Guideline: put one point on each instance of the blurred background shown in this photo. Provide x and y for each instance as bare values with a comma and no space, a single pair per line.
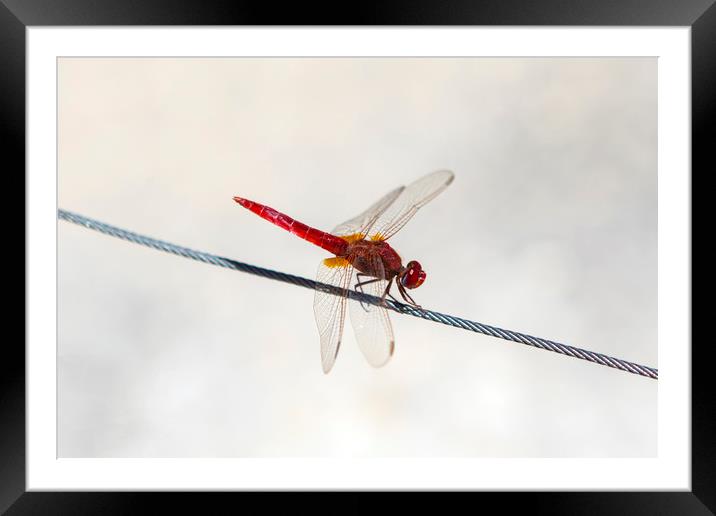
550,228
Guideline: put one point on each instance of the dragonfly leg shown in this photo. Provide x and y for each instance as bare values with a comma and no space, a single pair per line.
387,293
393,298
359,286
407,296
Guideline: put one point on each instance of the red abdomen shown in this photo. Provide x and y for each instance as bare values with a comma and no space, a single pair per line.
330,243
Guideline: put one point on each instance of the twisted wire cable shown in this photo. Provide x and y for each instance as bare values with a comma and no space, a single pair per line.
450,320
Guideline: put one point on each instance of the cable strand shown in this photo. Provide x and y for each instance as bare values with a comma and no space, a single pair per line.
450,320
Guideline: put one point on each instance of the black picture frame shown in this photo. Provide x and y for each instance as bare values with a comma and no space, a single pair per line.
16,15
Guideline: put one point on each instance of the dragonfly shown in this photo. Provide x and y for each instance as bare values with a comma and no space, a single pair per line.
361,245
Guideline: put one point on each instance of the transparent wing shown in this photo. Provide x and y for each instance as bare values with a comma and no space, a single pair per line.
366,219
413,197
330,309
371,323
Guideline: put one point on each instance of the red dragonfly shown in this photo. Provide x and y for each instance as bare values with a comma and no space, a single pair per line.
361,244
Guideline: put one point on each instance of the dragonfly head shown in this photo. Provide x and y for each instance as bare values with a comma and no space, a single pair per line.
413,275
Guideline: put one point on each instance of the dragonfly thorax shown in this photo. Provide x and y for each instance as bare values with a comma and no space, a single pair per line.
375,258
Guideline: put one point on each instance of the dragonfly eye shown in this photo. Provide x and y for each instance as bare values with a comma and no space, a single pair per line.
414,275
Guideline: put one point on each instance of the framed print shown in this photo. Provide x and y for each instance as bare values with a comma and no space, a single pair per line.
546,220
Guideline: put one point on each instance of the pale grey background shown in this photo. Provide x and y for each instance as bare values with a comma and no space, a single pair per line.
549,228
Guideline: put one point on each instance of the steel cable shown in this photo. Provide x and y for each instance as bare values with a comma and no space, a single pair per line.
450,320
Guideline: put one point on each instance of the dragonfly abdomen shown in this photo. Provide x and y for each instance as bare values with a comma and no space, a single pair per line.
330,243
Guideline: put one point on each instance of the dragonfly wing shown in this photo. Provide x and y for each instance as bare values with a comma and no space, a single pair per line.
371,323
368,217
413,197
330,309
